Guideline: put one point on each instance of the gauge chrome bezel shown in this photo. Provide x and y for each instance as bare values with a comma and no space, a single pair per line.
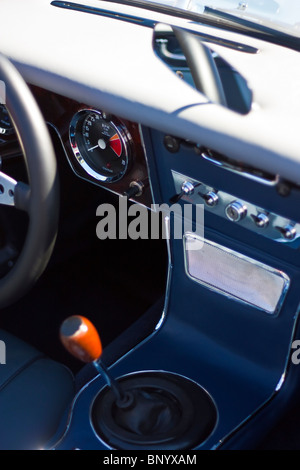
122,133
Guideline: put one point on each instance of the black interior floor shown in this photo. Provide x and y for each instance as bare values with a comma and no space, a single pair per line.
112,284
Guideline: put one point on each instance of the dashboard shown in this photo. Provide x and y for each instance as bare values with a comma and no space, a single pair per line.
124,166
151,167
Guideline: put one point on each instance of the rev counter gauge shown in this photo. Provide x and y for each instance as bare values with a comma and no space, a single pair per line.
102,146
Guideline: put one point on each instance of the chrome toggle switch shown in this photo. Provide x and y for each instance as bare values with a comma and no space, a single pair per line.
288,232
211,198
261,220
187,189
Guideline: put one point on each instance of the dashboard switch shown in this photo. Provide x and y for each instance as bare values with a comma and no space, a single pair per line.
136,189
171,143
187,189
288,232
211,198
261,220
236,211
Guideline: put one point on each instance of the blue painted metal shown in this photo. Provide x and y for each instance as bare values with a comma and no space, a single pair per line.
236,352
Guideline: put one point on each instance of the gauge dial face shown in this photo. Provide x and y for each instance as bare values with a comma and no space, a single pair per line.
6,126
101,146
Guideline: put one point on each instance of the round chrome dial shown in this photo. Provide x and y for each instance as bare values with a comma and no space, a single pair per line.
236,211
102,146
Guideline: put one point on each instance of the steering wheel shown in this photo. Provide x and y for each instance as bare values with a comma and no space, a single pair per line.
39,198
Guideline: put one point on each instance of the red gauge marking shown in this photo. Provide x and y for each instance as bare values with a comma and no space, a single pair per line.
116,145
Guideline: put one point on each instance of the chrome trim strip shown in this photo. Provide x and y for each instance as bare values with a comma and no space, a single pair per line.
140,128
192,17
169,276
107,13
241,171
151,24
238,255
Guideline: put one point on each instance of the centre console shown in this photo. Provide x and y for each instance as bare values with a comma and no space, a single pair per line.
215,371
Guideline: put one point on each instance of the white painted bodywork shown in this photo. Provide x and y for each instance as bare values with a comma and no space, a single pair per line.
110,64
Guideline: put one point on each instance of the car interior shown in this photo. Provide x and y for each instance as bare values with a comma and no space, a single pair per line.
114,104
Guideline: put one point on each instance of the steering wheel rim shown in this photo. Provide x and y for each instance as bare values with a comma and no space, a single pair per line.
41,198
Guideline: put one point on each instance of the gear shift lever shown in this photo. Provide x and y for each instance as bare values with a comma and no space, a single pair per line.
142,410
81,339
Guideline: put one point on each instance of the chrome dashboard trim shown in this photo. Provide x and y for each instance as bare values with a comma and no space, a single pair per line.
101,12
151,24
272,230
240,171
255,264
191,17
144,147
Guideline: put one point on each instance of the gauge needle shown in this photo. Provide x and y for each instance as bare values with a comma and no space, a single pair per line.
101,144
92,148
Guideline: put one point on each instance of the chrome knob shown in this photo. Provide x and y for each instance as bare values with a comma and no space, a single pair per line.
288,231
211,198
236,211
261,220
187,188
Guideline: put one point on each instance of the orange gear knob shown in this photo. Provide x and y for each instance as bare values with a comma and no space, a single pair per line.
80,338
